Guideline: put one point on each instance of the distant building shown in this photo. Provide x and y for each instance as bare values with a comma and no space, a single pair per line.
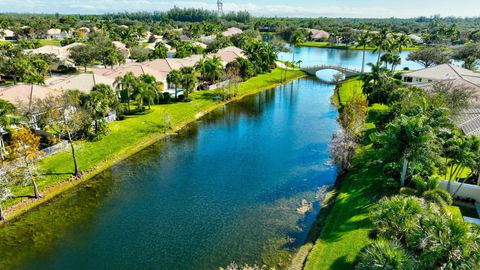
122,47
57,34
416,39
315,34
232,31
6,34
83,82
469,120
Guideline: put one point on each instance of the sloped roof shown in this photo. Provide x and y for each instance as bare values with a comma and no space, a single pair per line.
24,94
83,82
446,72
7,32
54,31
318,34
232,31
469,121
136,68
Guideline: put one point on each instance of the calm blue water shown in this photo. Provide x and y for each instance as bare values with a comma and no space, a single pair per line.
226,189
347,58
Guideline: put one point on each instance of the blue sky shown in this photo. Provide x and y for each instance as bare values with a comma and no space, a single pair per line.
285,8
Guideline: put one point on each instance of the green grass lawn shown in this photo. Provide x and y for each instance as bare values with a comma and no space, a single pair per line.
133,134
43,42
326,44
347,226
349,88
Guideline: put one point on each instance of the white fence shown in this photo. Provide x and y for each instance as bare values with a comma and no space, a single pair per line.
466,191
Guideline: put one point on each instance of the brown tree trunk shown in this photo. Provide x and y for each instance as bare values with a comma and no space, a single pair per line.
2,215
70,141
34,184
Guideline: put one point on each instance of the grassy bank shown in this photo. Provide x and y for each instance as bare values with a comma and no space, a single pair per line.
126,138
346,228
346,90
344,225
318,44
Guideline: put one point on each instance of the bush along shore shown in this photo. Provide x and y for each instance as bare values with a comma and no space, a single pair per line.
395,145
129,136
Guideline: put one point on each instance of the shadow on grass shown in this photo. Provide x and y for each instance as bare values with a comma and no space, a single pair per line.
342,263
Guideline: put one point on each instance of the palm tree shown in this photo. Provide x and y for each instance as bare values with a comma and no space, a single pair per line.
147,89
411,139
211,69
363,41
175,78
402,41
390,58
189,80
126,85
382,43
296,38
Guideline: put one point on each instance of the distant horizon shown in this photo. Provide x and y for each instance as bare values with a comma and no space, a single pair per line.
361,9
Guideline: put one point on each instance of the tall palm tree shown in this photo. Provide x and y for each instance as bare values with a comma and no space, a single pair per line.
175,78
363,41
402,41
296,38
126,85
189,80
382,42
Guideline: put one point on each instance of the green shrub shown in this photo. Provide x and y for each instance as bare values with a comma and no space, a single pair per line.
438,196
383,254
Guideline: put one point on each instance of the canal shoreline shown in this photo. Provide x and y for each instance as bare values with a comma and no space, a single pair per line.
22,207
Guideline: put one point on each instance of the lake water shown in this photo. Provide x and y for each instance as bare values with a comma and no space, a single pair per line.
225,189
346,58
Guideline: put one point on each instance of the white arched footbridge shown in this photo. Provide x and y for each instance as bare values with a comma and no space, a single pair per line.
312,70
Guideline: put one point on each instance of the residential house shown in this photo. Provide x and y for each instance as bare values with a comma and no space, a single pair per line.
6,34
315,34
123,48
417,39
83,82
136,68
232,31
469,120
23,96
62,53
57,34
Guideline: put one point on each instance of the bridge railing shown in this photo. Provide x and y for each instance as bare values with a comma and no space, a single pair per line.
334,67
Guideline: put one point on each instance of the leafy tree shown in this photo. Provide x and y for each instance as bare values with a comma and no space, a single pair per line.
429,56
26,146
454,97
159,52
186,49
469,54
140,54
352,119
83,55
65,116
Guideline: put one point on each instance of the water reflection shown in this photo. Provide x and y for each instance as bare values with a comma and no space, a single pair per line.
226,188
